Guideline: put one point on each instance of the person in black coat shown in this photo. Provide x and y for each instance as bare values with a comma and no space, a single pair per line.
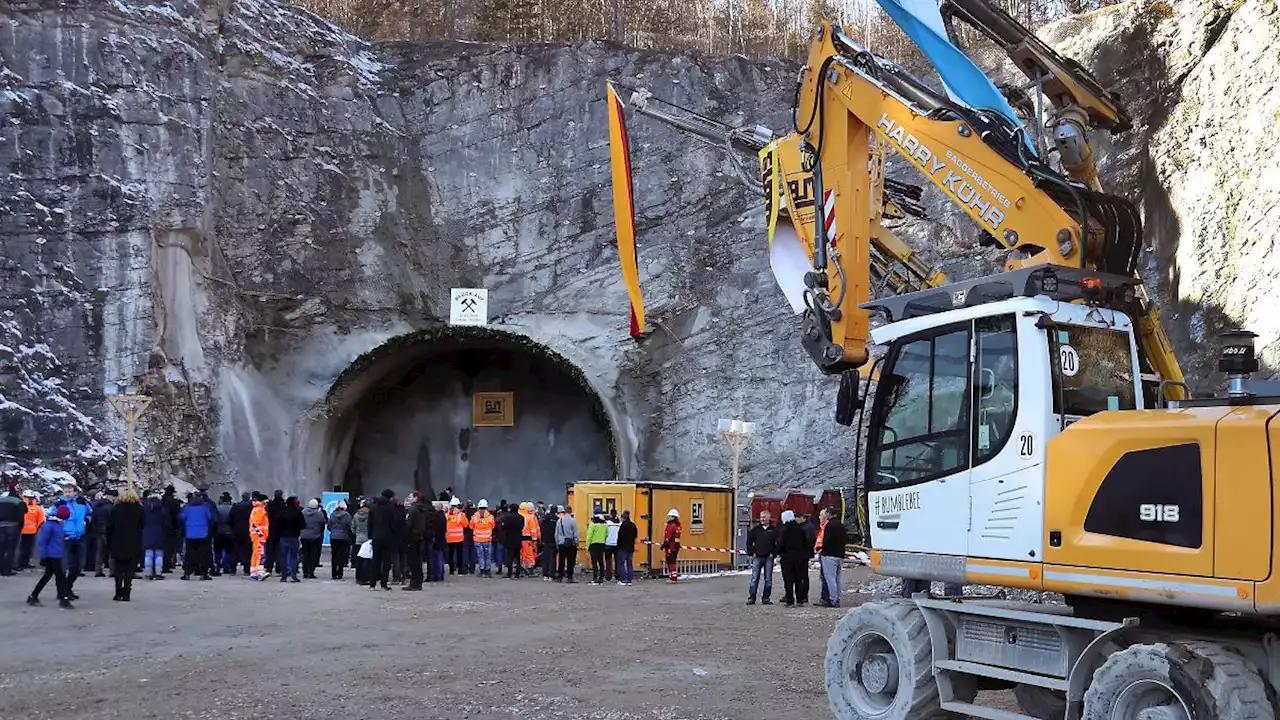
124,538
628,533
156,531
434,543
274,507
512,533
762,544
416,512
794,552
100,558
386,530
547,529
239,522
173,505
287,530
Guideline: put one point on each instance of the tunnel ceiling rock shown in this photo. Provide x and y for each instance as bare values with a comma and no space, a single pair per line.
235,201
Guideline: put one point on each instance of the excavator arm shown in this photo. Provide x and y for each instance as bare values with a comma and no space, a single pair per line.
895,267
848,96
1079,101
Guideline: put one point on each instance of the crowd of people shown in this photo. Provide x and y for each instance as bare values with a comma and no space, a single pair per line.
793,546
384,539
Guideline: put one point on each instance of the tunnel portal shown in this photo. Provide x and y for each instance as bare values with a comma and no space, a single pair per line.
421,426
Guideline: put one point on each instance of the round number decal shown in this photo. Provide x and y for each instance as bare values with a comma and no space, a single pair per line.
1068,360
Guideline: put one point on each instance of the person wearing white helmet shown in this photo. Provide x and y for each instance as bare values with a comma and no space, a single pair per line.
671,543
455,534
482,524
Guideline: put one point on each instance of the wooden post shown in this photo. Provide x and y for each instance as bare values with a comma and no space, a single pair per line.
130,408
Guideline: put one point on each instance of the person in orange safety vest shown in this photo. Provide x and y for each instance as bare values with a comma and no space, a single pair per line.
482,533
259,530
817,550
31,522
455,534
529,538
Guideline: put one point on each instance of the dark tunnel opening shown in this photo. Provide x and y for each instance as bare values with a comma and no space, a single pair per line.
415,427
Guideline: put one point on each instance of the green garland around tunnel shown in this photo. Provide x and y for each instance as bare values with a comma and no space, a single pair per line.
463,336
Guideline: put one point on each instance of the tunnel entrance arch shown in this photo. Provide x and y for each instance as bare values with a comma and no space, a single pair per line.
401,418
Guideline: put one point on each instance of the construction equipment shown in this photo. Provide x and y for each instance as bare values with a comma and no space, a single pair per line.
1029,429
895,267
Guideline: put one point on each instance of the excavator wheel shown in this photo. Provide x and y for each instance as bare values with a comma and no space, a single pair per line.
1041,702
1177,681
880,665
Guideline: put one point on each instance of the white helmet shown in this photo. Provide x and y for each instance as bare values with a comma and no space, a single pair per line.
483,503
674,513
454,502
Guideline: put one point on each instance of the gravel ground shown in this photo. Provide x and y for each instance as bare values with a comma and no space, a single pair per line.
465,648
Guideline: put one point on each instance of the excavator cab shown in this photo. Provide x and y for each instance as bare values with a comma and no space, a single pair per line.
976,378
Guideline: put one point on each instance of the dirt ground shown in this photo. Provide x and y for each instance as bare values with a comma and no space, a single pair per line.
466,648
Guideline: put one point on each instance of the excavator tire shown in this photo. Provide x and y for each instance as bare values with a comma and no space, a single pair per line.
1041,702
880,665
1169,681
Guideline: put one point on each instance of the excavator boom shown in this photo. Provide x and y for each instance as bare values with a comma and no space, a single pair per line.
849,95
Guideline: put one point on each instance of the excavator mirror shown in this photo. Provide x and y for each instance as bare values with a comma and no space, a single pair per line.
847,399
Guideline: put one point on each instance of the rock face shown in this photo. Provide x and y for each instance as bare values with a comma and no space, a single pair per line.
1202,81
259,217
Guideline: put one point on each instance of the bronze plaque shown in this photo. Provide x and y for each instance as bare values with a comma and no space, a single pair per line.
493,409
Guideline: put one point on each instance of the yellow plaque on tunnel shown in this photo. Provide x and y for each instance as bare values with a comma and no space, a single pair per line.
493,409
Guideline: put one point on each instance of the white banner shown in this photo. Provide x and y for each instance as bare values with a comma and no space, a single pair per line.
469,306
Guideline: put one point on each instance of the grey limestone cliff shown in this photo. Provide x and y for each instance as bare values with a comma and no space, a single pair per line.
260,217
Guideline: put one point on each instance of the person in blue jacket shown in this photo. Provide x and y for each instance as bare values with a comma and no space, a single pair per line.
197,525
76,526
51,541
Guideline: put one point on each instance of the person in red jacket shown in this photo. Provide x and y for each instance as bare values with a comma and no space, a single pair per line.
671,543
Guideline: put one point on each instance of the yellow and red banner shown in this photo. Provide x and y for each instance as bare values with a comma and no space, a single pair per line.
624,210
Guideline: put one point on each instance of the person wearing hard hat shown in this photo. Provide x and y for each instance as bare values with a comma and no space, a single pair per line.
482,535
529,538
455,535
671,543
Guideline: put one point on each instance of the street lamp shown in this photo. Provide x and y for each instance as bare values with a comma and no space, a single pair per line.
130,403
736,435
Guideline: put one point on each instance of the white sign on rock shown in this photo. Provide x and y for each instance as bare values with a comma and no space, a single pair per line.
469,306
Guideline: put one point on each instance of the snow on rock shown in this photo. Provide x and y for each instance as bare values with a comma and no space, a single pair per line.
195,193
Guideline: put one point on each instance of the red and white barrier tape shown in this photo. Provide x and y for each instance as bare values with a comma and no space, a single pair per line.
857,556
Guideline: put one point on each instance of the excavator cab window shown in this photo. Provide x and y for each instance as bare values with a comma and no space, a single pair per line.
937,412
1095,370
921,428
997,376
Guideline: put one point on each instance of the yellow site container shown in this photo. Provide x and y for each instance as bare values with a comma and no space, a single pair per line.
705,513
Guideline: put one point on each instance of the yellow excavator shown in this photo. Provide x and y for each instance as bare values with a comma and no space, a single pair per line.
1028,429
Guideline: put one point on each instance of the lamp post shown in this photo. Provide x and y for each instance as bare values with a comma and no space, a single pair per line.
736,435
129,403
